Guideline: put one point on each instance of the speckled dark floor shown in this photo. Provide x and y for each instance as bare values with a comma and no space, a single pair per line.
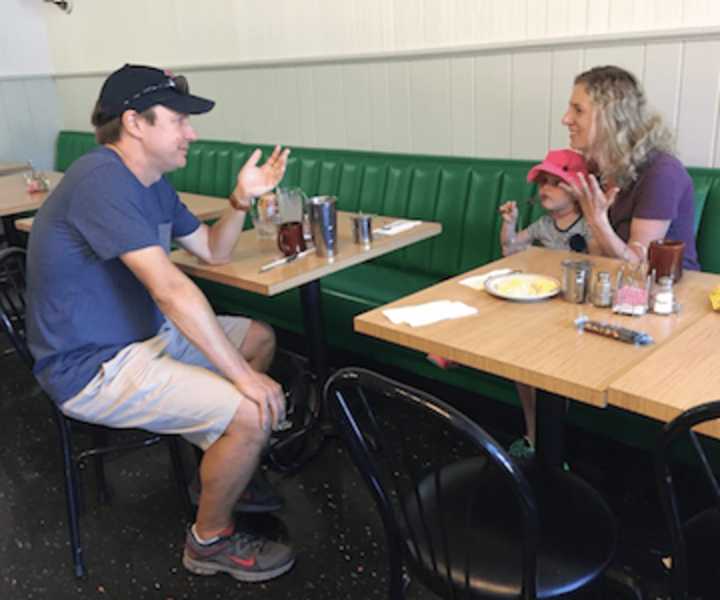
133,546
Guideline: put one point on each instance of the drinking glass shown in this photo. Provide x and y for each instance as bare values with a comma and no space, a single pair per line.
265,217
291,204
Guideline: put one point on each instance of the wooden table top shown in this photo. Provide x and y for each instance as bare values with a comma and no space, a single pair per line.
679,375
537,343
203,207
9,168
251,253
14,197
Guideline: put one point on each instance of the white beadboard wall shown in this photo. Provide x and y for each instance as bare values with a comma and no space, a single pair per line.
189,32
500,103
29,111
465,77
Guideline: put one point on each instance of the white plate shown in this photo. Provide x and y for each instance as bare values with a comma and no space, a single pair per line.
523,287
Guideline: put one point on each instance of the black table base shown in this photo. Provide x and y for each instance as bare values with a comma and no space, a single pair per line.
291,451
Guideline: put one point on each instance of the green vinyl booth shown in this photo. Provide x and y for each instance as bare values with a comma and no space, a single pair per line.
461,193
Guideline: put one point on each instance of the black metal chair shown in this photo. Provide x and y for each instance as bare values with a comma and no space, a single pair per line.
458,512
12,317
694,530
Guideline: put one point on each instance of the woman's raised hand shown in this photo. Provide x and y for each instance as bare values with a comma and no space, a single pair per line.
593,201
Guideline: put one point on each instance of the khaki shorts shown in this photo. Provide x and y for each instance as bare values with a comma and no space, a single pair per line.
163,385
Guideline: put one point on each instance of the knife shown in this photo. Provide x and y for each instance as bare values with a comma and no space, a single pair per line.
283,260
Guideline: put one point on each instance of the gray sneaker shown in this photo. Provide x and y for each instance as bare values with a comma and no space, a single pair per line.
522,449
244,556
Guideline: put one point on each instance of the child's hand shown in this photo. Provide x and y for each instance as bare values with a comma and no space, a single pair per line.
509,212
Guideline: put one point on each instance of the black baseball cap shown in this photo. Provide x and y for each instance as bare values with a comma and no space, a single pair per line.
139,87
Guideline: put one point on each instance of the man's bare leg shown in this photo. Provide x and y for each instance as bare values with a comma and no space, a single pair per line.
224,471
258,347
226,468
240,446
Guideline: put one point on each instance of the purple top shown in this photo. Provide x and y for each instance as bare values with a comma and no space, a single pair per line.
664,192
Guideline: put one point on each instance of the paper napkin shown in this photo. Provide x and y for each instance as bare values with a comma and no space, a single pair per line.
431,312
395,227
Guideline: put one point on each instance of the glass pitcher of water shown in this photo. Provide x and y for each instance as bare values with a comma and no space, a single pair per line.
293,206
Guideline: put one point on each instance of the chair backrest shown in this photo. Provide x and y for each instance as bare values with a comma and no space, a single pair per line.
12,300
694,562
414,451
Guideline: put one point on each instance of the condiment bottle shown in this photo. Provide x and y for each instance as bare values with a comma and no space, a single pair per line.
664,299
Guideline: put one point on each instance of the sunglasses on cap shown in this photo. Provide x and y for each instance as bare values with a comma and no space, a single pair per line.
178,83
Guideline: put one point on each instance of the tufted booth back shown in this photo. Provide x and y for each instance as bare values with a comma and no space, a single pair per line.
462,193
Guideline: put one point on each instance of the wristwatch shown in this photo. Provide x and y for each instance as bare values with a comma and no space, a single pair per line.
237,204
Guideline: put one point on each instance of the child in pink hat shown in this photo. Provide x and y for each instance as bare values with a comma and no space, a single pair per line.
563,227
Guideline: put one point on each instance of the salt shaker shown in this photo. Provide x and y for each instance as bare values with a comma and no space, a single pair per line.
664,298
602,290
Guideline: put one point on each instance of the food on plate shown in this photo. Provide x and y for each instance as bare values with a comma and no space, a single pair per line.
524,286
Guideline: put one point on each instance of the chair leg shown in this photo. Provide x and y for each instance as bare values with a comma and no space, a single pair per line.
198,455
71,497
180,477
622,584
100,440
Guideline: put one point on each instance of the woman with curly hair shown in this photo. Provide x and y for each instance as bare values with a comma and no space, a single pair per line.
640,191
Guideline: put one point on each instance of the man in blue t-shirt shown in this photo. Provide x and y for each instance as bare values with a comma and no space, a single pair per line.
122,337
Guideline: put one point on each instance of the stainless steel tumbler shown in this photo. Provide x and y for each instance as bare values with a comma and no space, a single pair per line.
362,230
576,280
323,223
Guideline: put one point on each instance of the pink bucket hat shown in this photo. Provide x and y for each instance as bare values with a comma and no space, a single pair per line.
565,164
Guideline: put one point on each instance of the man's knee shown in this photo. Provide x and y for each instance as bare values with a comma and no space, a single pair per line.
265,335
245,426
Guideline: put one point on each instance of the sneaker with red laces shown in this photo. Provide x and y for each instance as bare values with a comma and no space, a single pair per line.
246,557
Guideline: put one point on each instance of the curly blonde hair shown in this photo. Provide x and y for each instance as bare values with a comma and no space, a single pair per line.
627,133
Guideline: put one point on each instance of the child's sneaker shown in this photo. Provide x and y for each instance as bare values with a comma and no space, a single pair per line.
244,556
440,361
522,449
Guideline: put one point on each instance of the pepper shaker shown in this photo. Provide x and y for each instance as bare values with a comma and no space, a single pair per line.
602,290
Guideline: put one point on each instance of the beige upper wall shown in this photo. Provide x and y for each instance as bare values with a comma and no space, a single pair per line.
465,77
29,111
101,34
24,46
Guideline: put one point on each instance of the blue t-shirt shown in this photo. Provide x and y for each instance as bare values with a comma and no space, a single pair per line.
84,304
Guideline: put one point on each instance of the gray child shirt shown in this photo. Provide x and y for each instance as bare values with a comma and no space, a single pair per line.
545,233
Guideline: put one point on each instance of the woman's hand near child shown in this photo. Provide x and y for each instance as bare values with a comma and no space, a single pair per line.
593,200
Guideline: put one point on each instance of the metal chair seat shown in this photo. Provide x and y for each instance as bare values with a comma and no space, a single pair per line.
570,513
12,320
695,532
458,512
